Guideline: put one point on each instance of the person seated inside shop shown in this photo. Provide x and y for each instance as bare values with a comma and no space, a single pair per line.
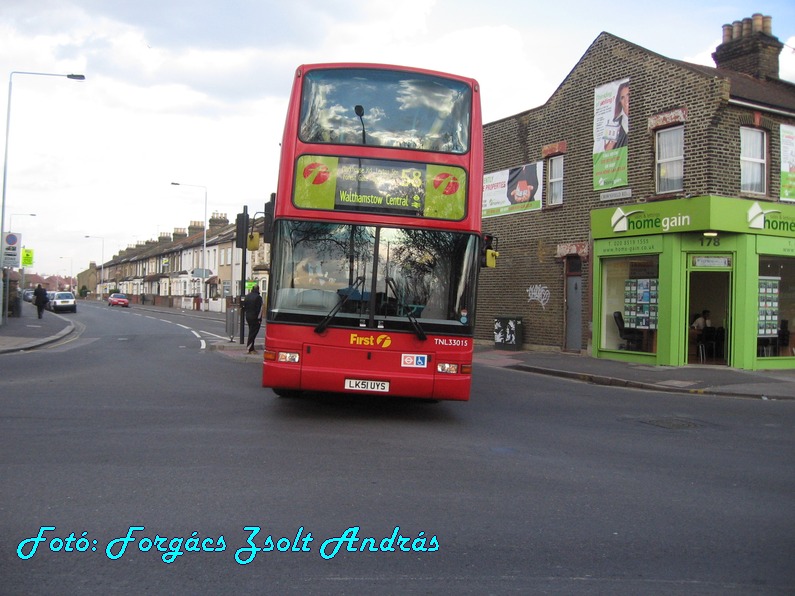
696,329
714,340
701,322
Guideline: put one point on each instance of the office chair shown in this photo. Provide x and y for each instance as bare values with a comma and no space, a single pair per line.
707,343
633,337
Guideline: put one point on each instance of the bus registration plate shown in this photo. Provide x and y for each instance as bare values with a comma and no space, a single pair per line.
362,385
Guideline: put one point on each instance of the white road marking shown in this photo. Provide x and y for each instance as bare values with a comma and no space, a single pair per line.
214,335
202,342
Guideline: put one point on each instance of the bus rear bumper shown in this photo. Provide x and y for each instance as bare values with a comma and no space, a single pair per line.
426,385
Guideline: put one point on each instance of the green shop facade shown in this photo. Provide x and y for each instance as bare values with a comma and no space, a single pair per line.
659,265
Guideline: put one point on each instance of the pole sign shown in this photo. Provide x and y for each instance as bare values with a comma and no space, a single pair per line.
12,247
27,257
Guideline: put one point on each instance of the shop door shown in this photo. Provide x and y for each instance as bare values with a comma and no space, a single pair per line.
573,304
709,290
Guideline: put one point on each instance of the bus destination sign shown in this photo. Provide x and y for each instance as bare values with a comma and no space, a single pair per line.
380,186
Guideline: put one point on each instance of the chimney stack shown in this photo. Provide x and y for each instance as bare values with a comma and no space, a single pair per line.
749,47
218,221
195,227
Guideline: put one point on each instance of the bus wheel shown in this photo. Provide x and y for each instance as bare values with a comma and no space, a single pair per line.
287,392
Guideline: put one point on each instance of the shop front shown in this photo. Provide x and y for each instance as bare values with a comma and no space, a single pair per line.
706,280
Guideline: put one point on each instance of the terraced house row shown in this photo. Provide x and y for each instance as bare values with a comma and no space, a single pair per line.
170,271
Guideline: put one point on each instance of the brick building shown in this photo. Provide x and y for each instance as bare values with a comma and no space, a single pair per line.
613,237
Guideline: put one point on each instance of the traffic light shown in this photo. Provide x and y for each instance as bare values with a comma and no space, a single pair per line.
241,230
488,251
267,220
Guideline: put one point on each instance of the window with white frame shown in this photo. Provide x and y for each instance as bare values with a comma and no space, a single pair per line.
670,159
753,160
555,181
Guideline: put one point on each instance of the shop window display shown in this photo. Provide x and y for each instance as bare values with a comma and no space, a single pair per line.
776,307
630,304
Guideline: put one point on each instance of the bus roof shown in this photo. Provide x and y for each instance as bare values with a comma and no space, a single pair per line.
379,66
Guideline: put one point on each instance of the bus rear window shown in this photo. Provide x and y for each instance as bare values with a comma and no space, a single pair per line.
385,108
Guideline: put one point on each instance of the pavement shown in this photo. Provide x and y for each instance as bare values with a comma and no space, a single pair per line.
28,332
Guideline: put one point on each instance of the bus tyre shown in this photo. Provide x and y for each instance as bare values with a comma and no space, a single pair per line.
287,392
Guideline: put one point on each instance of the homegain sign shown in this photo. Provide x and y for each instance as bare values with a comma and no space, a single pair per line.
769,219
695,215
639,220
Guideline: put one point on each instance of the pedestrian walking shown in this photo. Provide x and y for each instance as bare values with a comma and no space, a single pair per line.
40,299
252,307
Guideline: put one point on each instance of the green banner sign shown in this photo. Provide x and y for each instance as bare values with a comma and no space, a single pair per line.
695,215
610,130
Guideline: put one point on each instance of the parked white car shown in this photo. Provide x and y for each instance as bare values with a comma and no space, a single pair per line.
62,302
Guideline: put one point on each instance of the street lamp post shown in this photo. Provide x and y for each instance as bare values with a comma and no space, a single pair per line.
204,243
11,219
102,264
74,77
71,277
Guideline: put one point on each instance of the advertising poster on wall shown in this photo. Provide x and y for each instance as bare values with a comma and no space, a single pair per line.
513,191
610,130
787,163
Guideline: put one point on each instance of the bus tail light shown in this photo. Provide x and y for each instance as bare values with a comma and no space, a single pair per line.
291,357
452,369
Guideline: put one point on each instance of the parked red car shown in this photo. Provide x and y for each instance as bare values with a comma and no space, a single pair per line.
118,300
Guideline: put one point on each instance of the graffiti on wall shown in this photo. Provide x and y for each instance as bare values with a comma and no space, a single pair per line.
538,293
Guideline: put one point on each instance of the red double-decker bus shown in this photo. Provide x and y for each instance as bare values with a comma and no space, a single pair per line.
376,234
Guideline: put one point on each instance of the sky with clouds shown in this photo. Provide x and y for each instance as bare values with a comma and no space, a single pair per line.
195,92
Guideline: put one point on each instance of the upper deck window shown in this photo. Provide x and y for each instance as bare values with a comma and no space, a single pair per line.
385,108
753,160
